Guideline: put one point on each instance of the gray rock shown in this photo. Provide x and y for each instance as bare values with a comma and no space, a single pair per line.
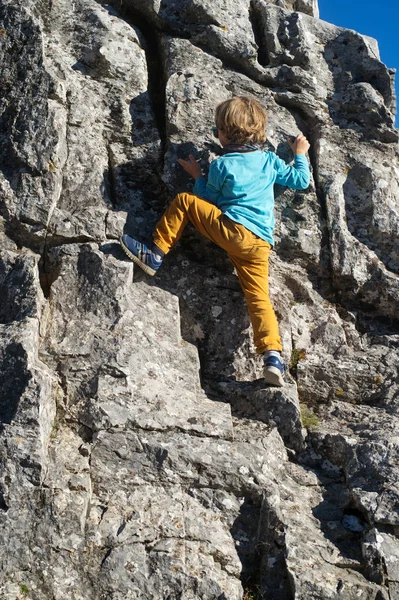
141,454
71,171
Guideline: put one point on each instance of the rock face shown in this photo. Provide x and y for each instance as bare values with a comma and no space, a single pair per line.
141,455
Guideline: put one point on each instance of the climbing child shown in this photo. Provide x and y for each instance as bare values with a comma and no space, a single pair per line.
234,209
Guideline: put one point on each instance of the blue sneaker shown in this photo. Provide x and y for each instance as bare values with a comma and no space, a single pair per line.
274,370
141,255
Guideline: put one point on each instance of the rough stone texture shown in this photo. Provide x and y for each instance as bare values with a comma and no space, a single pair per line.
141,455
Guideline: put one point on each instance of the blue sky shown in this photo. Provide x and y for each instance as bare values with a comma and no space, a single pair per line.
378,20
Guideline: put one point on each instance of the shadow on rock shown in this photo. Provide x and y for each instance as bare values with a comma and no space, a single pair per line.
342,524
277,407
14,379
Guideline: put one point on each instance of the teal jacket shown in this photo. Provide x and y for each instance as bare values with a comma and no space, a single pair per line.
241,185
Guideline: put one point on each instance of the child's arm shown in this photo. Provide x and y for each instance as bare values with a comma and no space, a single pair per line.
207,190
296,177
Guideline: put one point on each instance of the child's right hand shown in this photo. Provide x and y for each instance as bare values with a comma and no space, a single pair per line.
299,145
191,166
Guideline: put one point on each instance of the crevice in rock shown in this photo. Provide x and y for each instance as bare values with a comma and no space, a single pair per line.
275,580
310,125
313,134
83,431
107,554
149,36
110,179
251,559
44,280
59,240
3,503
174,429
259,35
47,274
296,355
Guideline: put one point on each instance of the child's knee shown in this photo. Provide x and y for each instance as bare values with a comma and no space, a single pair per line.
185,199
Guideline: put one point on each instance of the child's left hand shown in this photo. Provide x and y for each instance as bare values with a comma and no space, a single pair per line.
191,166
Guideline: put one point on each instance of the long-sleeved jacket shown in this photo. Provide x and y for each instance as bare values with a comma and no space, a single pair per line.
241,185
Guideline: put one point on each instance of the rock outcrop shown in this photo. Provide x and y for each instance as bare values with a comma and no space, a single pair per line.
141,455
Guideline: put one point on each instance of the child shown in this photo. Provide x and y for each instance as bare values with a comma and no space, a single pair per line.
234,209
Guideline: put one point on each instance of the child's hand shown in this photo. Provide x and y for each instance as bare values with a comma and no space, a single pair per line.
191,166
300,145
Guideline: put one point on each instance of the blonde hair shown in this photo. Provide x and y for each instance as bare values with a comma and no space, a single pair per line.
242,120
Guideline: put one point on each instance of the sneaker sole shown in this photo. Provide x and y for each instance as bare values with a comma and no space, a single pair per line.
273,376
136,260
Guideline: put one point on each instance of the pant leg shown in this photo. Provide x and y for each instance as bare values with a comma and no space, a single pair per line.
248,253
253,273
205,217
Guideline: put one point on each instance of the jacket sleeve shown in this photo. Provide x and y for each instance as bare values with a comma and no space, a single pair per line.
210,189
296,177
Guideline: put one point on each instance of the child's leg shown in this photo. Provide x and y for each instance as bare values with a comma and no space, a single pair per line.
253,271
249,254
205,217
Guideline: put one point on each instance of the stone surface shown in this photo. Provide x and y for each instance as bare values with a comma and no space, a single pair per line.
141,456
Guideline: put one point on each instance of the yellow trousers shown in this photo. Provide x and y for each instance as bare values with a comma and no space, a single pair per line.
248,253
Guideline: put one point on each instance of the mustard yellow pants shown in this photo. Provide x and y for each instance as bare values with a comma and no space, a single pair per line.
248,253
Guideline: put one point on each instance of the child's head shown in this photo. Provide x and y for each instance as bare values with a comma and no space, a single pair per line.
242,120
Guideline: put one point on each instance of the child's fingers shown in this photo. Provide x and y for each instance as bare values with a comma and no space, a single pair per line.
184,163
299,140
